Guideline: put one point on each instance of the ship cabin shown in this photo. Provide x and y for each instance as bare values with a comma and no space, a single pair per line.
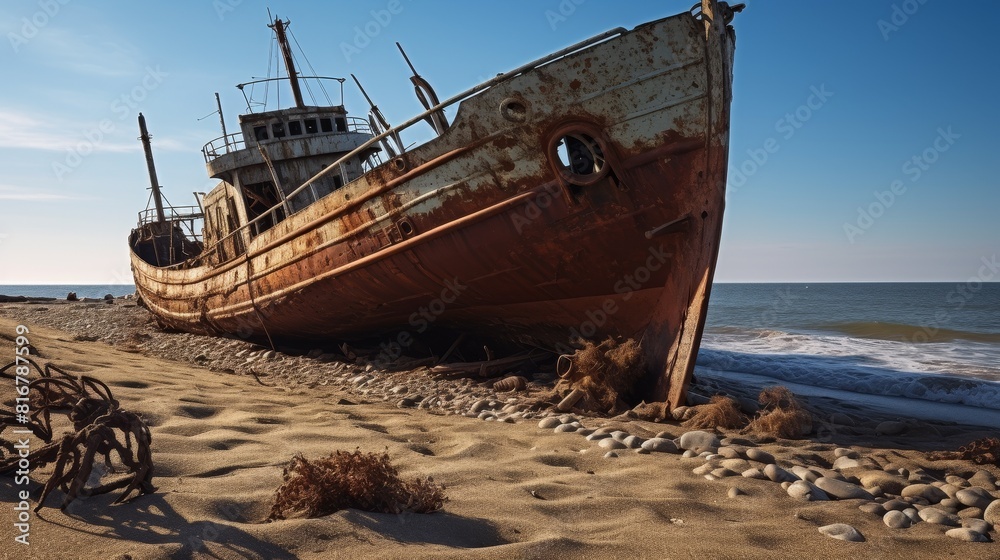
264,169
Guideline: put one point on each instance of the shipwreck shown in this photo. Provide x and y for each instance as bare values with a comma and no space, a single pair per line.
578,196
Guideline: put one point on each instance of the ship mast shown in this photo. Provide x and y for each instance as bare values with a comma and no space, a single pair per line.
286,51
154,183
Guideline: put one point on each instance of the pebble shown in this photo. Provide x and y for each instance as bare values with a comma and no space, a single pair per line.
932,494
609,443
619,435
895,504
967,535
873,508
977,525
913,514
940,517
734,491
971,512
549,423
805,474
723,472
754,473
778,474
802,490
406,403
699,441
974,497
633,442
707,468
984,479
842,490
759,455
689,454
730,452
563,428
479,405
598,435
888,482
843,532
896,520
659,445
846,463
957,481
844,452
736,465
890,428
992,513
610,455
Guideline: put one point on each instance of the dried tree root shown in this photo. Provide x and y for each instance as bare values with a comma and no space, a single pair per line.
96,417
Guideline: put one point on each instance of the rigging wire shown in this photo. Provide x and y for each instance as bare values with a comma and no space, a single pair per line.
312,70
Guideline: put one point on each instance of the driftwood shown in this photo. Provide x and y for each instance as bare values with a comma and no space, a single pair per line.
488,368
96,416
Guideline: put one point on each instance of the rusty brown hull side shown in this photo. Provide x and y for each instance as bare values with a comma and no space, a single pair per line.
480,229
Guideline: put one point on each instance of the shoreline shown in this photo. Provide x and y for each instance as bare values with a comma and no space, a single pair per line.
221,439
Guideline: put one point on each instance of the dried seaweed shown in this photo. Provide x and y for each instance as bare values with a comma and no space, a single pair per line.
607,372
96,416
985,451
720,412
781,415
365,481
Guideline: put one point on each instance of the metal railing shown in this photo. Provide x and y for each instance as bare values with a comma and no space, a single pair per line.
339,164
186,216
233,142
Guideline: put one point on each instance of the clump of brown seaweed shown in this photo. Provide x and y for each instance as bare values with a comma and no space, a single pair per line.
720,412
985,451
781,415
97,420
605,373
365,481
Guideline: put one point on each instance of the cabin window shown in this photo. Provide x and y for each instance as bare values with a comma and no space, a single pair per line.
260,133
278,130
341,124
326,125
295,128
310,125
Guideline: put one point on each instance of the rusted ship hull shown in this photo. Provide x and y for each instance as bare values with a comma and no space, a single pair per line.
484,229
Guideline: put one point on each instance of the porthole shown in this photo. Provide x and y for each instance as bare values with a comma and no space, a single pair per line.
579,157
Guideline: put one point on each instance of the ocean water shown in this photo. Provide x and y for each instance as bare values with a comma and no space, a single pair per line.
918,349
60,291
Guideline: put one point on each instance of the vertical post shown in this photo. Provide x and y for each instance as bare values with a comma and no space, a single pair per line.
153,182
222,121
286,51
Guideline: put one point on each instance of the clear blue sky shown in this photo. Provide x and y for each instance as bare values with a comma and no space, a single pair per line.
889,91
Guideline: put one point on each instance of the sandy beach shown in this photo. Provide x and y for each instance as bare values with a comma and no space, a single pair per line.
221,437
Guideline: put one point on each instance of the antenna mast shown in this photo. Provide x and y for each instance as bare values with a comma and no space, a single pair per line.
279,30
154,183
